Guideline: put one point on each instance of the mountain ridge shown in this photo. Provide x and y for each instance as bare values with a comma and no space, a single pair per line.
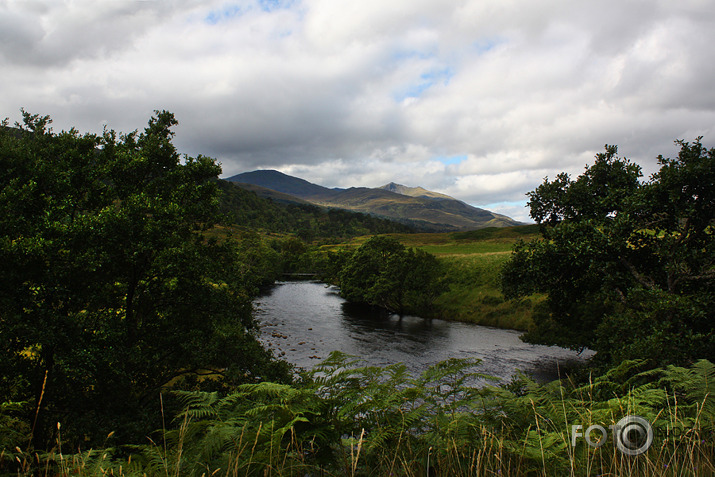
395,201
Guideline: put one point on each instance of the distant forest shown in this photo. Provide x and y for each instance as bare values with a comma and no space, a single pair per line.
309,222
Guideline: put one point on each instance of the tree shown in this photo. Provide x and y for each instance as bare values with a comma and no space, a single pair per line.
628,266
110,291
385,273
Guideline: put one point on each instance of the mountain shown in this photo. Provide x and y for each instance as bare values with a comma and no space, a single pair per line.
243,206
414,191
271,194
283,183
420,207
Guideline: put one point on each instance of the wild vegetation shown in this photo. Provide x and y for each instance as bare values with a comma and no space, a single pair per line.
628,266
385,273
346,419
468,285
129,345
110,290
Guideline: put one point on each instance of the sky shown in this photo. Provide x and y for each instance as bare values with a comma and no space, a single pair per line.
478,99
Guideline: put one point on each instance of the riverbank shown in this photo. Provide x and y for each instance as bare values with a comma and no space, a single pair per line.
474,294
472,263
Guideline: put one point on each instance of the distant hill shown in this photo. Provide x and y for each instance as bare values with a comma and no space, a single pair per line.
271,194
414,191
257,208
411,205
284,183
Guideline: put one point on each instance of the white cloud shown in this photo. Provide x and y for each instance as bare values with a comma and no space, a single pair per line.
364,93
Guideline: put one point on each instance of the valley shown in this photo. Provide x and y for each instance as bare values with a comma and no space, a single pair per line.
145,302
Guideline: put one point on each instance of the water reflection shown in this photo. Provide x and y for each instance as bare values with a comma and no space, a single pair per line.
304,321
380,323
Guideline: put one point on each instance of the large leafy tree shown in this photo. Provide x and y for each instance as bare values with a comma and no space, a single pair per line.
628,266
385,273
110,291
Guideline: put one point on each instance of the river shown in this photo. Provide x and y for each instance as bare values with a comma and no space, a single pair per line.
303,321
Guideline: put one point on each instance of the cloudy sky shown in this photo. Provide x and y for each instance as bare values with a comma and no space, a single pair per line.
479,99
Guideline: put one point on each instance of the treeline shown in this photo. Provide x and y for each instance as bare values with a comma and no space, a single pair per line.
306,221
628,266
112,290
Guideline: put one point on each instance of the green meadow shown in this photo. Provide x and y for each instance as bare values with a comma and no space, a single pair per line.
472,266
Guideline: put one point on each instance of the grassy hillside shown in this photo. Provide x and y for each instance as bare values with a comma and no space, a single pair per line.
246,209
473,262
443,214
488,240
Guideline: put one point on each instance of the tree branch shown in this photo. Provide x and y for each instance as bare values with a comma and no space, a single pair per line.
643,280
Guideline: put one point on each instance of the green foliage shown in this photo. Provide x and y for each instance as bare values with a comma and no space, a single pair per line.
385,273
538,419
260,264
258,419
110,290
469,288
14,429
347,419
320,424
627,266
599,194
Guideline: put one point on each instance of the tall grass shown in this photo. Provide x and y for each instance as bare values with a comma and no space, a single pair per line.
474,293
344,419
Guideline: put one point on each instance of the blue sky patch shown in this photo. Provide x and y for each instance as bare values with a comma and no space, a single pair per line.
226,12
271,5
232,10
426,81
448,160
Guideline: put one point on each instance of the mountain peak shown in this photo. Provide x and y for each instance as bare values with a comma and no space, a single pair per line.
414,191
393,187
281,182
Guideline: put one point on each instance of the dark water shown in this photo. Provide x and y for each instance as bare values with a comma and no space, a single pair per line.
304,321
